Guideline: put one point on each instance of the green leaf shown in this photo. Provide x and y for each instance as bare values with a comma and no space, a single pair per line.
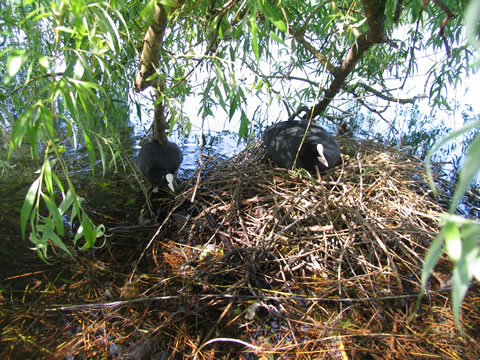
50,235
233,105
58,182
219,96
464,268
433,254
43,61
254,26
169,3
55,213
147,11
449,137
244,122
90,150
20,129
41,245
47,176
459,288
28,205
109,28
66,202
273,16
476,266
88,232
472,15
15,61
277,38
453,242
102,156
469,171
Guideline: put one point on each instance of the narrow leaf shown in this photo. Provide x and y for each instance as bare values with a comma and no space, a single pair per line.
55,213
88,232
453,242
461,279
449,137
254,26
147,11
169,3
53,237
433,254
468,173
47,176
244,122
102,156
15,61
90,150
66,203
28,205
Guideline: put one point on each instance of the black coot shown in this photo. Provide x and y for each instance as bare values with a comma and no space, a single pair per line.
159,162
318,150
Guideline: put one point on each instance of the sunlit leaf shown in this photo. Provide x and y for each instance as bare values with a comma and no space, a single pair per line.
449,137
28,204
453,242
277,38
274,16
90,150
476,266
244,122
472,16
15,61
469,171
147,11
88,233
55,213
460,277
43,61
109,28
41,245
66,202
434,252
78,70
169,3
102,156
254,26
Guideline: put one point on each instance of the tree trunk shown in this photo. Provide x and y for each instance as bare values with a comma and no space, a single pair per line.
375,14
149,63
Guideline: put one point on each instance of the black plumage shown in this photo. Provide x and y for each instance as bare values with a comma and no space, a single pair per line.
319,148
159,162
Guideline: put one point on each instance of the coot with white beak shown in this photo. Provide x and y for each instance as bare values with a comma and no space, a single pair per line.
319,148
159,162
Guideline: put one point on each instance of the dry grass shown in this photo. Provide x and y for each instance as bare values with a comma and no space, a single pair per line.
264,263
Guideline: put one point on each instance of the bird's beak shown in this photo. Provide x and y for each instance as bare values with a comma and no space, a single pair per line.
169,178
321,155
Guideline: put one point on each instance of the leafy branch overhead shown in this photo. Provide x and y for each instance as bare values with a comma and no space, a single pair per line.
375,34
357,49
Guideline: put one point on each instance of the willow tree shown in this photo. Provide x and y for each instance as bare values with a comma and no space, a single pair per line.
69,68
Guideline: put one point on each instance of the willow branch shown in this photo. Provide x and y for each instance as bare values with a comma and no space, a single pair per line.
376,34
152,44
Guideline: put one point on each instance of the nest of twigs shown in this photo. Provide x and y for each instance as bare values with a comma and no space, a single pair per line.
251,261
